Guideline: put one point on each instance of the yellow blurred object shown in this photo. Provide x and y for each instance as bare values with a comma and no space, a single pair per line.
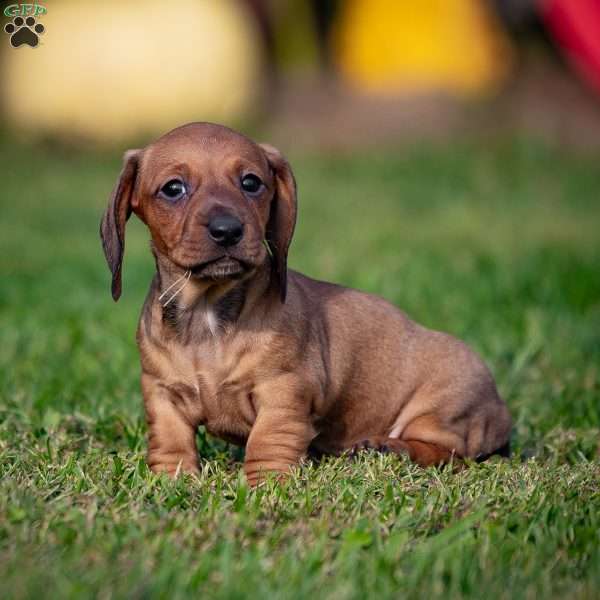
390,46
113,70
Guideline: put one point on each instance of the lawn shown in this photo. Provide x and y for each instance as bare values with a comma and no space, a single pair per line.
497,243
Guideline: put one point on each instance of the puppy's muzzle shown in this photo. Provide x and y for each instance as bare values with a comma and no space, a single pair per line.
225,230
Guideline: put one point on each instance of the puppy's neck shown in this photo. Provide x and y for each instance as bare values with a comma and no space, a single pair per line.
198,307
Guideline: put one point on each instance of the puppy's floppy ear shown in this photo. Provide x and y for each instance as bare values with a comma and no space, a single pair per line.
282,219
112,227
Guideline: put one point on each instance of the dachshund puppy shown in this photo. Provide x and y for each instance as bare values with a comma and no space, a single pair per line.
263,356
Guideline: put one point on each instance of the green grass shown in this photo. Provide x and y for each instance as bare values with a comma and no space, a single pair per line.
497,244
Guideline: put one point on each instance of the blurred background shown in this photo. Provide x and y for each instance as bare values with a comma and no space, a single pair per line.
316,73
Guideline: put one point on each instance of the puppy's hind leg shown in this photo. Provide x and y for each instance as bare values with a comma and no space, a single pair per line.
424,454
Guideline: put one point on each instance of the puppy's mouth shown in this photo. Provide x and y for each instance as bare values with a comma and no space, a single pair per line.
225,267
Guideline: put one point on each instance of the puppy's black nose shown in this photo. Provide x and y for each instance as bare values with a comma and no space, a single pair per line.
225,230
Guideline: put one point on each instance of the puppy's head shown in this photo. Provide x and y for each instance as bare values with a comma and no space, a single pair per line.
210,198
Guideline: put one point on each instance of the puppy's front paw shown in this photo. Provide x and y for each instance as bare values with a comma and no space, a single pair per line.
174,469
258,473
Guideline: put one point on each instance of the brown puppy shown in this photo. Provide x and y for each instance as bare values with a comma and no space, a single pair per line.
266,357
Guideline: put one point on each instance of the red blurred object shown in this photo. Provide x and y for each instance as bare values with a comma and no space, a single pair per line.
575,25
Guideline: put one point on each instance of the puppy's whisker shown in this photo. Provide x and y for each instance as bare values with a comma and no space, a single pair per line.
268,247
187,276
172,285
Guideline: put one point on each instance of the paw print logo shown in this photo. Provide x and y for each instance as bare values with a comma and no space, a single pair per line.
24,31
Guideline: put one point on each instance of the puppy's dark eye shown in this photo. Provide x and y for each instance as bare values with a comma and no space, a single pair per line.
174,189
251,183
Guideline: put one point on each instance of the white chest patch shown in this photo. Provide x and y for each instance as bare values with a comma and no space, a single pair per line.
212,321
